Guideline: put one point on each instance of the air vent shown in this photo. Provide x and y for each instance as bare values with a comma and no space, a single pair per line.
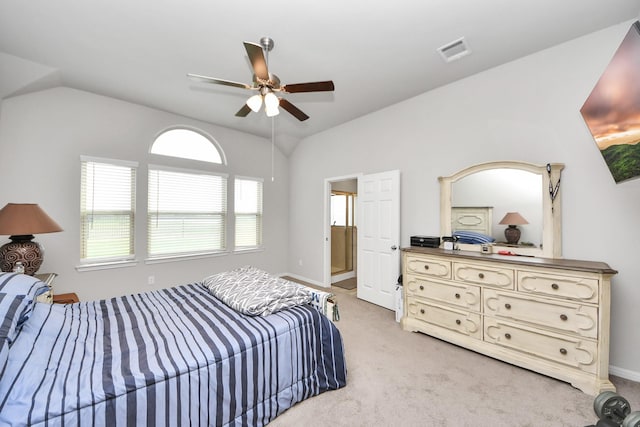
454,50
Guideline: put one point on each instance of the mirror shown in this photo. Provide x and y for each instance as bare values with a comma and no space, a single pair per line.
478,198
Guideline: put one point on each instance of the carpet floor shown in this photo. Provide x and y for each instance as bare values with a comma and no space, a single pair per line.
398,378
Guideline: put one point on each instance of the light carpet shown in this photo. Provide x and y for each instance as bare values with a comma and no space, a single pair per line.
398,378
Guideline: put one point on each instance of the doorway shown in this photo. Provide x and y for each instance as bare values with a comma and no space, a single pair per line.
376,258
341,235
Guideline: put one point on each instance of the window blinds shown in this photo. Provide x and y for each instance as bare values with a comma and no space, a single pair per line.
248,212
107,210
186,212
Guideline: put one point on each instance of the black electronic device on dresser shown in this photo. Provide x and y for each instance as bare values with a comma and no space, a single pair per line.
425,241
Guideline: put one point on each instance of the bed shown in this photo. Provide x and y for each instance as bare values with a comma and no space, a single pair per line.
177,356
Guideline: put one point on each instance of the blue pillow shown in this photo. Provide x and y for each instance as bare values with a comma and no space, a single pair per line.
21,284
11,309
472,237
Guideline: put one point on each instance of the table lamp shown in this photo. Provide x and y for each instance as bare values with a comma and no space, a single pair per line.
512,233
21,221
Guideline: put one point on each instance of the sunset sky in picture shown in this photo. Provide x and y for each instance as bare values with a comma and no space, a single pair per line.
612,110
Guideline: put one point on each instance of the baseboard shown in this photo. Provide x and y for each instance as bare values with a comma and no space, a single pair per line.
625,373
304,279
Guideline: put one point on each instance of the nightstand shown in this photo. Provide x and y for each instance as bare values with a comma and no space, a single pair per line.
69,298
47,278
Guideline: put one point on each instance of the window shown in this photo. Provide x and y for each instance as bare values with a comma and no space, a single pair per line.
342,208
187,212
186,144
248,211
107,210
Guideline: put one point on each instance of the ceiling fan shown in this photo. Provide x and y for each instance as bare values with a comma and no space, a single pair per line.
267,84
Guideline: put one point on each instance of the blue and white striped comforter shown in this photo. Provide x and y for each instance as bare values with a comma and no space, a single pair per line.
171,357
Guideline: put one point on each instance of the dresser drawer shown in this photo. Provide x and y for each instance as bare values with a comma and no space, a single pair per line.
558,285
565,316
432,267
459,295
486,275
576,352
461,321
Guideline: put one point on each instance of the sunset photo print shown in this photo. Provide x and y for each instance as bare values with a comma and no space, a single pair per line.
612,110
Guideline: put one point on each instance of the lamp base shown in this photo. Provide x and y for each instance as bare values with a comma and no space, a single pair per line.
512,234
23,249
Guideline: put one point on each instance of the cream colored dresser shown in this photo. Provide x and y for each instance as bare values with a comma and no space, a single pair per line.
547,315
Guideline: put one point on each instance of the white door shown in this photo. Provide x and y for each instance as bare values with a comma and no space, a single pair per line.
378,237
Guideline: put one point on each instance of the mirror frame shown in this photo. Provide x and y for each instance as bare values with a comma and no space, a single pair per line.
551,209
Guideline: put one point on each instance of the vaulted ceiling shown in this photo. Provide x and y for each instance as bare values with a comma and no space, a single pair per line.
377,53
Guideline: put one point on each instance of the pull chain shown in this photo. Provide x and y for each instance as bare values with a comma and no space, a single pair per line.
273,139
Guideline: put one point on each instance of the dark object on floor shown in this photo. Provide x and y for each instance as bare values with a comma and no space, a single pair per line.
614,410
348,284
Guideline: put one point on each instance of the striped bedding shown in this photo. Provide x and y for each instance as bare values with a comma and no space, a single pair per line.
171,357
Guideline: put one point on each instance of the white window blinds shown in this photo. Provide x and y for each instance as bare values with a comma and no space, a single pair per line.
186,212
248,212
107,210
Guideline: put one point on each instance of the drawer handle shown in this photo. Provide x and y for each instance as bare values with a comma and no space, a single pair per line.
563,317
507,336
555,286
563,351
481,275
507,306
426,267
457,296
458,321
422,311
421,288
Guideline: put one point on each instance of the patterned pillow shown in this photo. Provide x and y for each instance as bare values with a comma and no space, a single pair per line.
255,292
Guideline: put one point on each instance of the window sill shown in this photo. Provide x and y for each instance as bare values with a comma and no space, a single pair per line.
238,251
106,265
172,258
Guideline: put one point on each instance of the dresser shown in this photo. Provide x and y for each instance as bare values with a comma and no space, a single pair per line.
547,315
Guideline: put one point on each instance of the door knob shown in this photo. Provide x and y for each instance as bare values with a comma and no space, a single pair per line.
394,247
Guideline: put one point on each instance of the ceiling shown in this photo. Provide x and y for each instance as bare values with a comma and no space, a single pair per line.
377,53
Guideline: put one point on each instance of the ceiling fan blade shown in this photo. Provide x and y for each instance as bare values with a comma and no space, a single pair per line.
256,56
293,110
206,79
244,111
309,87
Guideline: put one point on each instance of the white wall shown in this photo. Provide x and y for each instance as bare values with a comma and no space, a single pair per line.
526,110
42,136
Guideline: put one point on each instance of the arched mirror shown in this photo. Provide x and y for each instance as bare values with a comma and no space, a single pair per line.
516,205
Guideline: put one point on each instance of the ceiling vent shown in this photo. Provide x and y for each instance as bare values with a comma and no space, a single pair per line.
454,50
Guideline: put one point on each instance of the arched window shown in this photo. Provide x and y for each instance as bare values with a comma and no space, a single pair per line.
186,144
187,208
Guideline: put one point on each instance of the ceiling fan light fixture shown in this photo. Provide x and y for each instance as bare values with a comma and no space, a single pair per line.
271,101
271,110
255,102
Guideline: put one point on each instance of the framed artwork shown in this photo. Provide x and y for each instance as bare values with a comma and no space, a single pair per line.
612,110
